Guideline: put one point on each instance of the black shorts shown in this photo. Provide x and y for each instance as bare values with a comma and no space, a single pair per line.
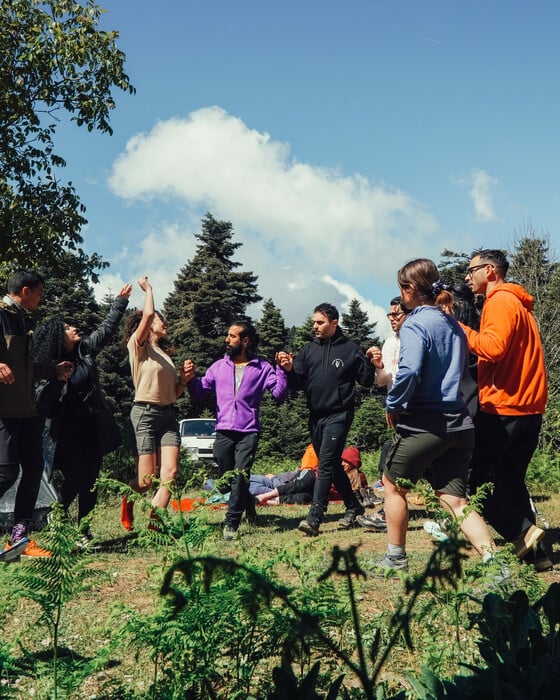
445,456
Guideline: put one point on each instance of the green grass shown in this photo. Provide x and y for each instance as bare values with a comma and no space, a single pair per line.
118,638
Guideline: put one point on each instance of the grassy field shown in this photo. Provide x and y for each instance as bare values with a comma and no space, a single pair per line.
125,573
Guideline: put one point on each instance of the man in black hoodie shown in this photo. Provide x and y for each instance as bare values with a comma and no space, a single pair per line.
327,370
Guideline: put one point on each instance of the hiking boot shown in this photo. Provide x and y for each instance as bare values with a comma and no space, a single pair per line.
347,521
12,552
251,512
527,540
309,527
33,551
371,523
368,498
390,567
539,559
127,514
229,533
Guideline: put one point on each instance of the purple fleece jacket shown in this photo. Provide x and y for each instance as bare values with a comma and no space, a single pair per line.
240,411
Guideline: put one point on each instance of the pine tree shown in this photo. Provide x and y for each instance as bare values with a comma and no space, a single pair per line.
115,377
209,294
453,267
356,326
301,335
272,331
70,295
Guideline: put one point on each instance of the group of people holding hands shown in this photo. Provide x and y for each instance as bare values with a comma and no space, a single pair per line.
434,432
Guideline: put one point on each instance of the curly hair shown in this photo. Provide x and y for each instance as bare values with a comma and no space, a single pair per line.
131,324
48,341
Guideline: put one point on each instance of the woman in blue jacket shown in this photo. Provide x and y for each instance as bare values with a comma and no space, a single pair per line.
427,409
239,381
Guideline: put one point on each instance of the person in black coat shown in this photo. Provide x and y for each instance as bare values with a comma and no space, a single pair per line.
79,426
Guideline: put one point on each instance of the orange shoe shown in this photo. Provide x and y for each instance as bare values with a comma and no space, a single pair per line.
33,550
127,514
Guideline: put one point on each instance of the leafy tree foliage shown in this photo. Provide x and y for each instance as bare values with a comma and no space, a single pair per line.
356,326
209,293
54,61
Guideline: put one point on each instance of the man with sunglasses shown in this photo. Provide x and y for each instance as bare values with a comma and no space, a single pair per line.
513,392
386,361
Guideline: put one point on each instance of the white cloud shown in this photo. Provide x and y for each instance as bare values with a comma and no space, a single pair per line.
480,184
159,255
376,314
297,222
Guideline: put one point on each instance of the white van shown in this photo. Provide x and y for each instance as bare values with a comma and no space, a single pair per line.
197,437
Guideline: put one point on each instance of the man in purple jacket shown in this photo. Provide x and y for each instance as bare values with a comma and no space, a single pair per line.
239,381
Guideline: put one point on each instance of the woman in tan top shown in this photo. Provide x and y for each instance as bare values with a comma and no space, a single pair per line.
153,414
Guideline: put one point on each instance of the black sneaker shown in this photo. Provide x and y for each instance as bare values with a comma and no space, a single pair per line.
251,513
310,528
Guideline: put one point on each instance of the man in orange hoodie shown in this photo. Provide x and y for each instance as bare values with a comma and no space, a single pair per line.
513,393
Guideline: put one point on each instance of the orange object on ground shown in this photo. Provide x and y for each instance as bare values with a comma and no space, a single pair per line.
33,550
187,504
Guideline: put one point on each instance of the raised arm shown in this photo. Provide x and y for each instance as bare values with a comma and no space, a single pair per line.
108,327
148,312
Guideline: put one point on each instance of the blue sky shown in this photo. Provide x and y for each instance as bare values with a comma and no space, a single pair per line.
340,138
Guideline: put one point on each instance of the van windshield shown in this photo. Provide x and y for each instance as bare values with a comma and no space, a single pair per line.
198,427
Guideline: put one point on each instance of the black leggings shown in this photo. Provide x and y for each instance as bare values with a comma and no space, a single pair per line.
78,458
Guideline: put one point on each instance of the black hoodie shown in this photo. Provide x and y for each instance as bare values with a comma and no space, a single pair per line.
328,370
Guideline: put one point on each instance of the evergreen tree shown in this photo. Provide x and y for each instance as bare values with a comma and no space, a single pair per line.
453,267
284,431
272,331
356,326
533,265
301,335
369,428
115,377
209,294
69,294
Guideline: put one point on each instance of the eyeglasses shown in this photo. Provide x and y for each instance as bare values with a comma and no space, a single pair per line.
474,268
395,314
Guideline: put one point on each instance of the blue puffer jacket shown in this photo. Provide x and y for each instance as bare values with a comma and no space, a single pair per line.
239,411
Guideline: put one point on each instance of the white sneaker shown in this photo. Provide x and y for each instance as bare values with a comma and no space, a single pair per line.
435,531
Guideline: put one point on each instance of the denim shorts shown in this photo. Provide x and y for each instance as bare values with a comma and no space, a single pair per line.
154,426
442,459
